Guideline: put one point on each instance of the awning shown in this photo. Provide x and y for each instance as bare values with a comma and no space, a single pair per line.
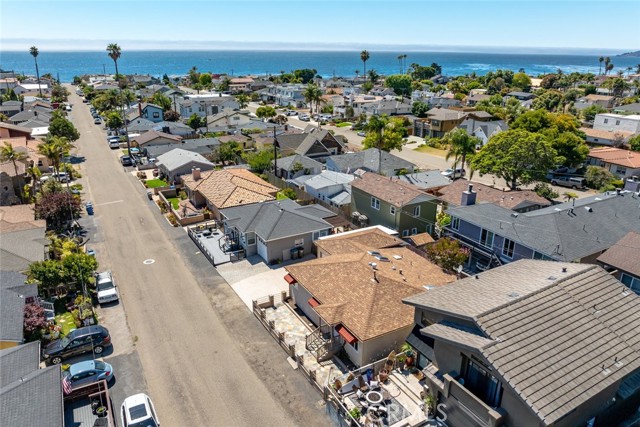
344,333
422,344
290,280
313,302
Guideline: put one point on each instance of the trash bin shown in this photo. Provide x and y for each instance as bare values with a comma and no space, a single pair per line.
300,252
294,253
150,195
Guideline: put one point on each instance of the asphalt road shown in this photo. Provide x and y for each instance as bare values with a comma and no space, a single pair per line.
206,360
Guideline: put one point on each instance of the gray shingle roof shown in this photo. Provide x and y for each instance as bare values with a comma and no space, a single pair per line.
18,249
287,163
178,157
29,396
12,299
564,232
329,178
425,179
551,332
368,160
276,219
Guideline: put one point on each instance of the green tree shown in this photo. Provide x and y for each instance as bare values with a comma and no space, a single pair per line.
384,135
229,151
419,72
57,209
364,57
400,83
589,90
162,101
543,189
311,94
419,109
462,145
171,116
447,253
517,156
260,161
550,100
35,52
243,100
79,268
114,120
195,122
194,76
54,148
571,149
63,128
373,76
59,93
10,154
521,81
205,79
48,274
114,52
305,75
266,112
287,193
634,143
598,178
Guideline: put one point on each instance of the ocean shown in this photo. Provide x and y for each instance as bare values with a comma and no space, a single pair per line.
327,63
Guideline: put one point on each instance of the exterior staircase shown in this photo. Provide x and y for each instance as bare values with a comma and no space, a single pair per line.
321,343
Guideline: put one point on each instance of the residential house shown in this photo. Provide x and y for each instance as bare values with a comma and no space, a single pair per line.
369,160
438,122
12,182
577,231
226,188
277,230
138,125
14,293
474,98
429,181
150,112
315,143
203,146
605,137
620,162
22,238
180,162
521,96
617,123
240,84
633,108
39,113
460,193
623,258
296,165
392,203
331,187
32,88
229,120
390,107
242,140
9,108
265,139
7,84
286,95
209,106
603,101
8,130
174,128
353,293
153,137
483,129
532,343
29,396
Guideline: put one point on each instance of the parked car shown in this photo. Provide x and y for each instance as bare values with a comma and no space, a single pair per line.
138,411
572,182
88,339
326,117
59,176
106,287
362,133
97,121
126,160
450,173
290,112
304,117
89,372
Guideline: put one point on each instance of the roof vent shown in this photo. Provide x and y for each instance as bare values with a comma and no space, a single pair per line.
382,258
564,269
618,363
515,214
397,256
552,278
373,253
513,295
373,265
605,371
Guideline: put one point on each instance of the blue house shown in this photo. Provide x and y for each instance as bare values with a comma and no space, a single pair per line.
151,112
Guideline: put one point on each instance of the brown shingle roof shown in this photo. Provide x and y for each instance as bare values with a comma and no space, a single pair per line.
624,255
231,187
152,134
605,134
355,242
420,239
452,194
18,217
616,156
396,192
344,286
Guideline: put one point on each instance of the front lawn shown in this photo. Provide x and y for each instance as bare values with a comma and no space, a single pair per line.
154,183
174,202
66,322
430,150
344,124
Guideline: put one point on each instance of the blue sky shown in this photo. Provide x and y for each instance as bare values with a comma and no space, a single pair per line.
348,24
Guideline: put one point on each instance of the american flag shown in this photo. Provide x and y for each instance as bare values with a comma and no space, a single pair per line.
66,386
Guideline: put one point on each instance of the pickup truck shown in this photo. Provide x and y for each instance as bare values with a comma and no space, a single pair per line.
572,182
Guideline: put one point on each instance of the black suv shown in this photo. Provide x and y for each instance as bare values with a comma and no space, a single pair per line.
79,341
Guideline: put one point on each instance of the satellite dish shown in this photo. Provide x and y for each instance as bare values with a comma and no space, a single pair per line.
459,269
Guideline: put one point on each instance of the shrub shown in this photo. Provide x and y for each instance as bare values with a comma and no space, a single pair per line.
544,190
34,320
162,205
182,195
173,220
447,253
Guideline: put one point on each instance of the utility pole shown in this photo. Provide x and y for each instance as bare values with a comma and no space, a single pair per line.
275,154
104,70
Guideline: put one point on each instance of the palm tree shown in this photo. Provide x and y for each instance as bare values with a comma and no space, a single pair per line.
376,127
600,60
114,53
35,174
34,52
9,154
404,63
54,149
462,145
3,118
607,60
243,101
638,69
373,76
364,57
357,73
608,68
312,94
629,70
400,62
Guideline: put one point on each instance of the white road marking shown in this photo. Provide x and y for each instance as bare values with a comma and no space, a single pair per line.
148,261
110,203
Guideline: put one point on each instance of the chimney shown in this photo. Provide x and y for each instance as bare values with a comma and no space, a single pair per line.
139,109
632,184
468,197
195,173
618,190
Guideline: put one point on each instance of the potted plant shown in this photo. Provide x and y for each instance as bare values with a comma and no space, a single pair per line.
429,405
355,415
410,357
101,411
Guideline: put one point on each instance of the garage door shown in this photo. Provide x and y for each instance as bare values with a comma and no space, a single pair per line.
262,250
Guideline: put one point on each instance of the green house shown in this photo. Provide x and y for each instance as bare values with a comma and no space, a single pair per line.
378,200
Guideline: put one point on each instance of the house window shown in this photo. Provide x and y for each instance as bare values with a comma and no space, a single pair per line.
414,230
621,170
236,118
507,248
416,210
392,210
405,233
455,223
375,203
632,282
617,122
251,239
478,380
354,345
606,121
486,238
424,320
156,115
